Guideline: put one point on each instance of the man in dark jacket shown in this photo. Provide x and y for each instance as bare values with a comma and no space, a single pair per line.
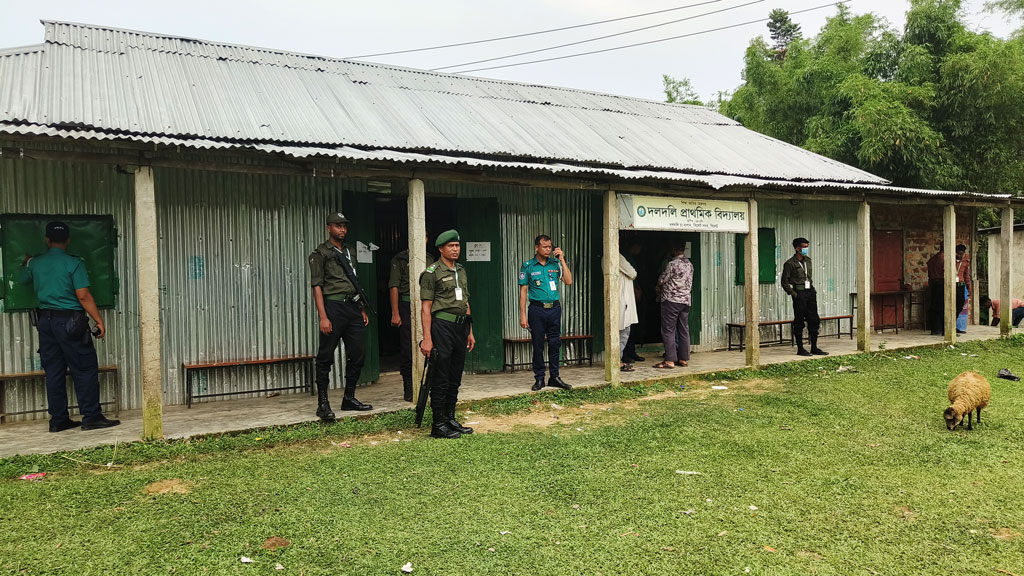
798,283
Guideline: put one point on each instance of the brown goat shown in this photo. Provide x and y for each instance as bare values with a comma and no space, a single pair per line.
968,392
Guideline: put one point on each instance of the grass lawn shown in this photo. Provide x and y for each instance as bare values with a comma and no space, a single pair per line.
801,470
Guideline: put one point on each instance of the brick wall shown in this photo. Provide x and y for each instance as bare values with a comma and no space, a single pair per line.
922,234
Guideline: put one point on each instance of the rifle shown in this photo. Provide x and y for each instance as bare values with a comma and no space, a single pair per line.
351,274
421,401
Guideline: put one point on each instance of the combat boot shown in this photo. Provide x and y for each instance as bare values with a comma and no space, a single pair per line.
407,388
454,424
814,347
800,350
349,402
441,428
323,406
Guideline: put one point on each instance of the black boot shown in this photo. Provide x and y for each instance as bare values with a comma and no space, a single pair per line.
814,347
454,424
407,388
441,428
323,406
350,403
800,350
557,382
539,384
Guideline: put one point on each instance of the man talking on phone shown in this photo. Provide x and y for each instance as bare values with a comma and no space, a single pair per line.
540,309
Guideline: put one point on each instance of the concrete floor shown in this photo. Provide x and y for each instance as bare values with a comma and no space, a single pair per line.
386,396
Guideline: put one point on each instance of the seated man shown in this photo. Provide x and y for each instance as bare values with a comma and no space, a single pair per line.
1017,313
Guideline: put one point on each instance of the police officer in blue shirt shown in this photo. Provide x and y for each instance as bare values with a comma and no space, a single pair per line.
62,288
538,283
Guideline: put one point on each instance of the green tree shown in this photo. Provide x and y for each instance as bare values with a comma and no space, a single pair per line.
680,91
782,29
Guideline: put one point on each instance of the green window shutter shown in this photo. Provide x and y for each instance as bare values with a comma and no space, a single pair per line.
765,256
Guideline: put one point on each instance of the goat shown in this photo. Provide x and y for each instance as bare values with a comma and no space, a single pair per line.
968,392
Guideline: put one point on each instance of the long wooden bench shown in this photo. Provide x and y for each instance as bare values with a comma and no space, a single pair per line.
730,326
510,351
307,361
41,375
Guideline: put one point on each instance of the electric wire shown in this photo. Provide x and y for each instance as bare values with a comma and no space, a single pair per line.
524,35
598,37
697,33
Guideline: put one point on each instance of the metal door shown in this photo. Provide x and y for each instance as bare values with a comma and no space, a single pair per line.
358,207
479,225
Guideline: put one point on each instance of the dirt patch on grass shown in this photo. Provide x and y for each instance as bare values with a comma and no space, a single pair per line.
169,486
809,554
905,512
1005,534
275,542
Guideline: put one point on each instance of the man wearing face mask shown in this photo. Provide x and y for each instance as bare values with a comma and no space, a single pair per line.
797,282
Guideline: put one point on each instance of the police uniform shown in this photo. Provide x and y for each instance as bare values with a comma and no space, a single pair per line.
544,315
447,289
797,281
400,279
65,344
345,311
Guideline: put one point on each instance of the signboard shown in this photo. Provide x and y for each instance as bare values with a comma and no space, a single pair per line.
478,251
682,214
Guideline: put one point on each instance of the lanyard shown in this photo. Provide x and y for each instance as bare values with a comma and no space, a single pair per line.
456,278
348,256
803,265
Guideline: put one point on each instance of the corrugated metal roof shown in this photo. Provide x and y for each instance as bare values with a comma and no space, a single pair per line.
714,181
111,80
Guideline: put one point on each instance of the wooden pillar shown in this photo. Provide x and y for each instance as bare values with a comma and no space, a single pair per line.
973,308
147,266
417,263
864,329
752,290
610,265
1006,273
949,267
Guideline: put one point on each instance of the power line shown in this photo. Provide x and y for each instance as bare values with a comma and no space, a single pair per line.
648,42
599,37
531,33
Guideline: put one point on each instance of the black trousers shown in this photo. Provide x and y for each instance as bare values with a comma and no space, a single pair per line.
347,323
629,352
405,341
936,300
447,361
545,324
805,311
66,346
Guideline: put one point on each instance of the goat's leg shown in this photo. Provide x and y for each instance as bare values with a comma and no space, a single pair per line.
969,415
979,415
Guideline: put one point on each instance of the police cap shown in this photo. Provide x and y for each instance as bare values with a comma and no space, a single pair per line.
57,231
446,237
336,218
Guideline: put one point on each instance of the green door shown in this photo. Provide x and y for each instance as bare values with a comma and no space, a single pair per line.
358,207
479,226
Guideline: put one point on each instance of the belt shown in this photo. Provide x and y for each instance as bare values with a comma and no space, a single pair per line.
342,298
404,298
801,288
59,313
451,317
545,305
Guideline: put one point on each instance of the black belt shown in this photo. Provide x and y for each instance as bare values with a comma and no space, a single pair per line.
545,305
342,298
59,313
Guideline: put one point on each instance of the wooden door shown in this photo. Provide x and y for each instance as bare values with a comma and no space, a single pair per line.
887,272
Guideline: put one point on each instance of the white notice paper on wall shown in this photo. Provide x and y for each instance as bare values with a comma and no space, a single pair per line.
478,251
364,253
686,252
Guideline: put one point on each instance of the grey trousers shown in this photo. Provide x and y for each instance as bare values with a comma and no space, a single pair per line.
675,319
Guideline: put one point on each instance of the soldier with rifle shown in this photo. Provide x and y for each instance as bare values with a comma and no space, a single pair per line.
341,305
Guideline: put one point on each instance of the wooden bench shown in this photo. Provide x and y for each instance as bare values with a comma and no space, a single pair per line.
307,361
41,375
730,326
510,351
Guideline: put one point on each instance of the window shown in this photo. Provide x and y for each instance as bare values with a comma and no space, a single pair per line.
93,239
765,256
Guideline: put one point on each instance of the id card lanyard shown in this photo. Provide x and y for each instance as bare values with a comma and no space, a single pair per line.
458,289
807,279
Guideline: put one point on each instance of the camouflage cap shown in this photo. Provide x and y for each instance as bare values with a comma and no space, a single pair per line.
336,218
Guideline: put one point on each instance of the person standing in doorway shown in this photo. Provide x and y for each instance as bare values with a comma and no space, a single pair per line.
447,332
963,287
627,310
936,302
675,286
65,345
342,315
797,281
398,295
629,354
538,284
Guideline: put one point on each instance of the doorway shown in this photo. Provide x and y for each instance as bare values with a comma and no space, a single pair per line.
887,293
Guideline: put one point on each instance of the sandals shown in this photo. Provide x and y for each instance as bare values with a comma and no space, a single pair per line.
626,368
664,365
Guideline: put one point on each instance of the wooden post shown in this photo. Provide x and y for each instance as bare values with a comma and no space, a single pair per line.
417,262
147,265
611,288
864,277
972,314
1006,273
752,291
949,267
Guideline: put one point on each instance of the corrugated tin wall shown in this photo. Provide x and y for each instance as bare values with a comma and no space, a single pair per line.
40,187
526,212
831,229
234,275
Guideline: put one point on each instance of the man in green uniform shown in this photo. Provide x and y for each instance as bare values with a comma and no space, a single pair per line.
797,281
62,288
447,332
342,316
398,294
538,282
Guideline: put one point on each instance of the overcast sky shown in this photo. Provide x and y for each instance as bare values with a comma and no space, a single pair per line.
712,61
